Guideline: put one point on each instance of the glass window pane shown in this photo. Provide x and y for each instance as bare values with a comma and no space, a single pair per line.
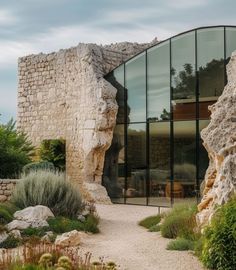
183,78
159,160
114,166
203,155
136,151
230,41
158,82
135,83
116,78
210,59
184,159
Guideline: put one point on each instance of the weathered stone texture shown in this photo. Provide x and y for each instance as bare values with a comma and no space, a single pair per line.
6,188
64,95
220,141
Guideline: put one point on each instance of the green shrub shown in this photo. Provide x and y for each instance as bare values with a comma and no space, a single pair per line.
34,231
36,166
49,189
219,239
61,224
150,221
53,151
180,222
6,212
11,242
181,244
155,228
15,151
26,267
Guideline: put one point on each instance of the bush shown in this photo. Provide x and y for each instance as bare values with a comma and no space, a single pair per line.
219,239
6,212
34,231
11,242
150,221
49,189
181,244
180,222
155,228
15,151
61,224
53,151
36,166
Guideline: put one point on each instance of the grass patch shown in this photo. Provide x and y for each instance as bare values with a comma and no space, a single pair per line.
7,211
155,228
180,244
40,232
62,224
150,221
180,222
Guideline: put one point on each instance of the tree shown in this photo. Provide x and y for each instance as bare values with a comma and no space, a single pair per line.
15,150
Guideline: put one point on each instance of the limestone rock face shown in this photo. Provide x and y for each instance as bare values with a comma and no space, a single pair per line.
17,225
69,239
220,141
64,95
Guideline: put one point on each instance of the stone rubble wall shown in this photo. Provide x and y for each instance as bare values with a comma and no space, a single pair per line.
6,188
64,95
220,141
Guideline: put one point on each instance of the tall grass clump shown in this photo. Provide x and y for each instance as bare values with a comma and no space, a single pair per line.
180,222
218,242
50,189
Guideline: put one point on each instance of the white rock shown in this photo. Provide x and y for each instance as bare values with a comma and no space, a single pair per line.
32,213
16,234
72,238
37,223
3,236
17,225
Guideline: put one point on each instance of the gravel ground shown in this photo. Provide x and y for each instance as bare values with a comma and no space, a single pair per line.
132,247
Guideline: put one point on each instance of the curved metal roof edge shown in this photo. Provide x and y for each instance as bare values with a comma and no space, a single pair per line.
182,33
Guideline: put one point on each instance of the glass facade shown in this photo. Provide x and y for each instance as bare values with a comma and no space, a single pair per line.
156,156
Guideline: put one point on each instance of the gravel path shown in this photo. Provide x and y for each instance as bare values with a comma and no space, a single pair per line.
132,247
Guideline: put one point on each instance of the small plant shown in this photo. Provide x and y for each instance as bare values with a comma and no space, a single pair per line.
155,228
6,212
218,242
11,242
180,222
181,244
61,224
36,166
53,151
49,189
34,231
150,221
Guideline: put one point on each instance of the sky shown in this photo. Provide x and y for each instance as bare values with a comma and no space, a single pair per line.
34,26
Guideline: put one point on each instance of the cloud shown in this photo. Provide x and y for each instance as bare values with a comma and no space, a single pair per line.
7,17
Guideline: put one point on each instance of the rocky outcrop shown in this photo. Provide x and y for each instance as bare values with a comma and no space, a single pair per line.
220,142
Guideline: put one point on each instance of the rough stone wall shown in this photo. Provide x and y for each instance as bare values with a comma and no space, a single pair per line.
64,95
6,188
220,141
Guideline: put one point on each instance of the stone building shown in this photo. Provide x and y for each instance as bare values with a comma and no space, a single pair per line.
63,95
133,124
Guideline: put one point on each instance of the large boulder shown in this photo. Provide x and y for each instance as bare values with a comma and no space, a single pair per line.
220,141
72,238
34,214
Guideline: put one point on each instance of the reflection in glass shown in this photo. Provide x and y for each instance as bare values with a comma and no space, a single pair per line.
203,156
183,76
116,78
136,163
114,166
159,162
230,42
135,83
184,159
158,82
210,59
